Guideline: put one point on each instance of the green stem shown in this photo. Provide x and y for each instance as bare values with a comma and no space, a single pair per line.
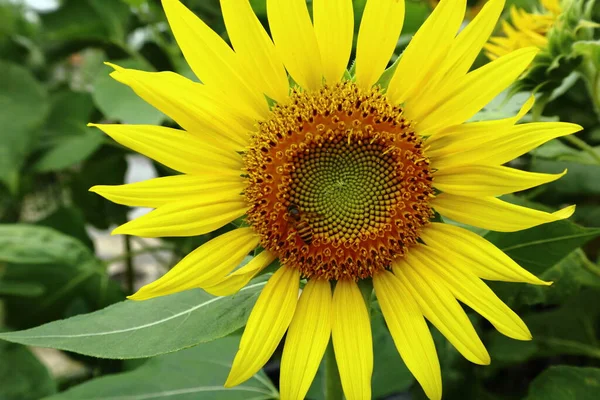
575,141
130,270
589,265
333,384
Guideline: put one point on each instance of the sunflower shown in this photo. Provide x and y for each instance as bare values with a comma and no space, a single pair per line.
341,177
527,29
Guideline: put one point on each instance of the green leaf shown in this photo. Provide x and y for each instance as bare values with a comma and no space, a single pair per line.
64,266
87,19
196,373
22,376
106,167
23,108
589,49
539,248
21,289
390,374
70,150
119,102
566,383
135,329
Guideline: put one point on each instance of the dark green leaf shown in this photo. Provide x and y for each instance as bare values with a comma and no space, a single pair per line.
566,383
21,289
70,150
22,376
133,329
87,19
196,373
23,109
64,266
119,102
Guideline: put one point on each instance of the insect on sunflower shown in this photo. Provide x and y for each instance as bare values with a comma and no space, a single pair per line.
339,178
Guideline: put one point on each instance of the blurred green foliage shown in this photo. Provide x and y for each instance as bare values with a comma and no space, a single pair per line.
53,82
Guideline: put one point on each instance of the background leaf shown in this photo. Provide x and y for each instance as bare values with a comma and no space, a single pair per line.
189,374
133,329
566,383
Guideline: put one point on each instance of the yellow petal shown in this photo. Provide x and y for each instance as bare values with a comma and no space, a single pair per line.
441,308
174,148
169,189
212,60
380,27
352,340
467,95
494,214
209,262
186,218
498,146
198,109
488,180
463,51
471,290
334,30
268,321
409,331
306,340
426,50
448,140
255,49
476,254
235,281
295,39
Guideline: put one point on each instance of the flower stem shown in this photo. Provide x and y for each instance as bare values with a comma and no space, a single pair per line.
575,141
130,271
333,384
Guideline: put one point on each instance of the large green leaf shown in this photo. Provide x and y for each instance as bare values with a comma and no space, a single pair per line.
22,376
136,329
70,150
23,108
566,383
65,267
196,373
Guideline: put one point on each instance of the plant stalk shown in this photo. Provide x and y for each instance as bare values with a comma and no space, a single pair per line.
130,270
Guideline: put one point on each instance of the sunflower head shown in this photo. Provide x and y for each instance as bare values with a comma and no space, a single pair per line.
339,179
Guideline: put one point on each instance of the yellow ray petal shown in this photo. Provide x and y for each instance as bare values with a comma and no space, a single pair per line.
255,48
497,147
212,60
488,180
494,214
169,189
334,30
380,27
209,262
463,51
455,137
409,331
268,321
441,308
352,340
186,218
462,100
196,107
306,340
473,292
174,148
296,42
476,254
426,50
235,281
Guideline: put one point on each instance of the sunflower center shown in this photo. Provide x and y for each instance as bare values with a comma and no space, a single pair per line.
338,183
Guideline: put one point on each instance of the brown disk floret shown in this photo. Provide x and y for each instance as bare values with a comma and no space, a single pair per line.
338,183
